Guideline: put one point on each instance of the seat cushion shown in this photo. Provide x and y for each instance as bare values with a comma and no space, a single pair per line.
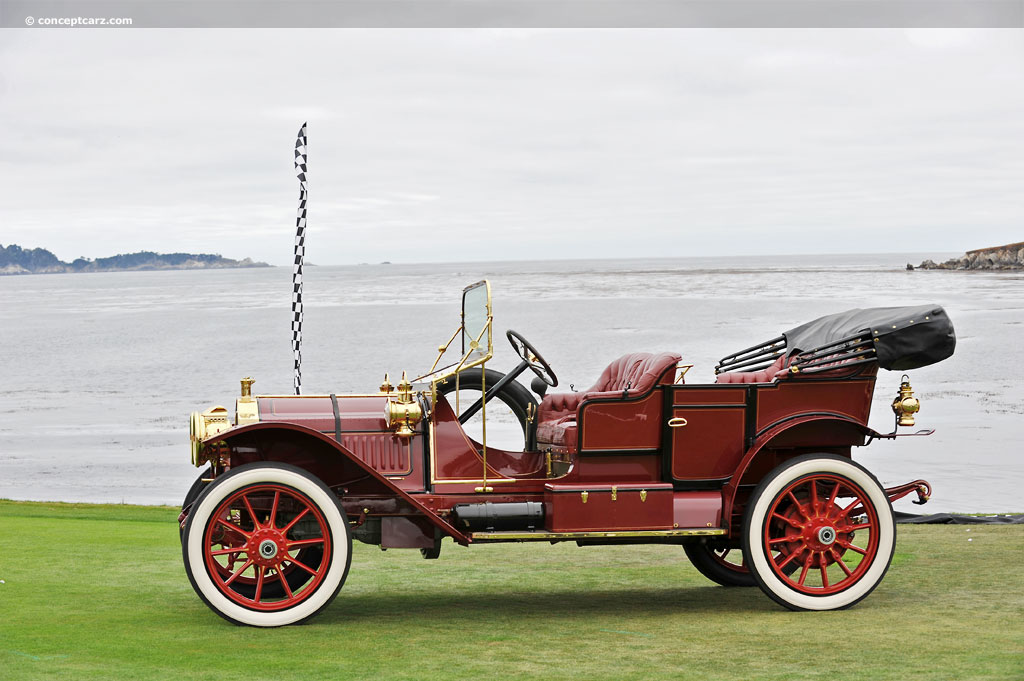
766,375
628,376
561,432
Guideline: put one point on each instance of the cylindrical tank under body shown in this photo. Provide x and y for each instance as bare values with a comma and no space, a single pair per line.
488,516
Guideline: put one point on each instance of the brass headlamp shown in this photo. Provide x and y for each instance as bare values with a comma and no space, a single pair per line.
405,411
205,425
905,405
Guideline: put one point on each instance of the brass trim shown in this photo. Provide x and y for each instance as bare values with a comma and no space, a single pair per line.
324,395
643,496
404,411
905,405
623,534
247,409
207,424
682,369
584,495
475,481
449,371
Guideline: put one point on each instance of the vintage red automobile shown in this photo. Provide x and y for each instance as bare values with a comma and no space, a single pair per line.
752,475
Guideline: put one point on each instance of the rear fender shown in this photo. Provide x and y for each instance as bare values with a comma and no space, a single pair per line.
323,457
827,433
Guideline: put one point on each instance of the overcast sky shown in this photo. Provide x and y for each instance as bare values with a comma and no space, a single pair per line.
438,145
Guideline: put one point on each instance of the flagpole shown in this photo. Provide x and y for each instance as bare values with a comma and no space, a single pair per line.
300,253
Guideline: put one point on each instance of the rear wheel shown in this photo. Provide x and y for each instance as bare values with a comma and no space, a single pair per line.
267,544
828,517
719,563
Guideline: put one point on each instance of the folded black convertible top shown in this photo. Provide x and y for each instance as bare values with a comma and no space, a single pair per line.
904,338
898,338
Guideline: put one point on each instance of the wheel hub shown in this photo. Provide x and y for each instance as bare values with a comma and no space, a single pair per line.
819,535
826,535
265,546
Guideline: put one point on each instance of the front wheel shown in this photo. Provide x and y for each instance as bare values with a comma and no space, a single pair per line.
267,544
819,533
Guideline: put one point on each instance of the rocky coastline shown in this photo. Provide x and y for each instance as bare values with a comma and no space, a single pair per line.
16,260
1007,257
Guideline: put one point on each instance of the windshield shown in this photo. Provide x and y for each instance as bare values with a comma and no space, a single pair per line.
476,318
474,334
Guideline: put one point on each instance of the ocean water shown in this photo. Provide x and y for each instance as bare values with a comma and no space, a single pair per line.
99,372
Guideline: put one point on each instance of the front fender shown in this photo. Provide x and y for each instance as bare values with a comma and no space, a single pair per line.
324,456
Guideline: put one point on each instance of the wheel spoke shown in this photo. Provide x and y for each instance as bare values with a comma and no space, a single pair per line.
814,496
284,582
783,518
235,550
853,547
788,560
272,521
255,521
302,565
800,509
861,526
840,563
294,520
245,566
784,540
846,511
259,583
832,499
824,572
234,528
805,570
305,542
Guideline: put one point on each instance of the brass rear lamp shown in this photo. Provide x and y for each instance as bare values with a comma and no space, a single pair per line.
905,405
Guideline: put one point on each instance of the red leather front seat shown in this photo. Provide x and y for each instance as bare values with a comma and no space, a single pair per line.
628,376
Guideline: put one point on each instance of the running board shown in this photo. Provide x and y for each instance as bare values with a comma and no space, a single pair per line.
542,535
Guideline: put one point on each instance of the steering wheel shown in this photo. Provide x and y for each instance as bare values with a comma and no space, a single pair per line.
529,354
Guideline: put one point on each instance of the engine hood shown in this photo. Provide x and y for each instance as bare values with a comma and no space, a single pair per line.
345,413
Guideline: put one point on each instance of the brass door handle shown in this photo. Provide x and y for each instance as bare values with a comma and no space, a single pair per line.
677,422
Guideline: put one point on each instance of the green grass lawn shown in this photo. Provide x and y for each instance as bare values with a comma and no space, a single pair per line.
99,592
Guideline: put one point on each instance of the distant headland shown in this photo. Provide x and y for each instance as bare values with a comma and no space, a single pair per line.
17,260
1008,257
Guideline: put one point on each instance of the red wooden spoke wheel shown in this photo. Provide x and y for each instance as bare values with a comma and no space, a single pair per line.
820,525
819,533
246,584
267,545
257,554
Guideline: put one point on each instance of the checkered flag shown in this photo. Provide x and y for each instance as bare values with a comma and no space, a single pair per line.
300,253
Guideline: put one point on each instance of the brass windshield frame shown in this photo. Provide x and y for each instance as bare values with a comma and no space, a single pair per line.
435,376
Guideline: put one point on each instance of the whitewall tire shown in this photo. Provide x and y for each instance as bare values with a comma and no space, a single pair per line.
819,533
267,544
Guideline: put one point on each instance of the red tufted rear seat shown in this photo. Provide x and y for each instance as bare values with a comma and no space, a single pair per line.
766,375
628,376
